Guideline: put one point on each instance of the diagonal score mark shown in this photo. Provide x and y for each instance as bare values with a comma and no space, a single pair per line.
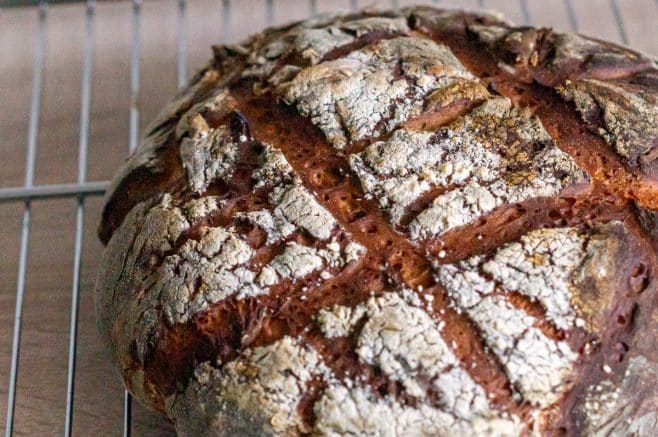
562,122
295,134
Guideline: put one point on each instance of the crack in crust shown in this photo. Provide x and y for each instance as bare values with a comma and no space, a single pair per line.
312,41
496,154
372,90
538,366
626,118
344,410
261,389
614,89
531,165
402,339
542,266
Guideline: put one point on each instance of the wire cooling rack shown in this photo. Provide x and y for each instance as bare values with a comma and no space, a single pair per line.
574,13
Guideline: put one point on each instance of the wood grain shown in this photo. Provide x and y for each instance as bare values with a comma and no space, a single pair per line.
40,401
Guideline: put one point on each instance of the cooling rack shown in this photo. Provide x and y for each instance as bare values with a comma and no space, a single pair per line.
78,82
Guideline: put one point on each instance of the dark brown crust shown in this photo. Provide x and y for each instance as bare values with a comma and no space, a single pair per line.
230,326
559,117
614,180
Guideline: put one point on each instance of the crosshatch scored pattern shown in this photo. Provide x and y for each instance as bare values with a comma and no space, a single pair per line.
84,81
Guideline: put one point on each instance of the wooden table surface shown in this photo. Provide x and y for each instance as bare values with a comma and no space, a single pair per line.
98,395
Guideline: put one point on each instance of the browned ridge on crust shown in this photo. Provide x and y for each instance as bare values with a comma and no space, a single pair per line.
428,222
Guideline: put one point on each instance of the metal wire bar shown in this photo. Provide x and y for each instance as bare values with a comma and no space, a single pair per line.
134,75
620,23
269,12
573,22
18,314
37,81
127,413
313,5
52,191
226,19
85,100
523,5
75,298
181,38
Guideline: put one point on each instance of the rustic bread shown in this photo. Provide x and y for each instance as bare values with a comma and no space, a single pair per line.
418,223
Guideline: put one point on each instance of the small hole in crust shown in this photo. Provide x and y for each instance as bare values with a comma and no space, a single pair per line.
356,215
638,270
325,177
560,432
566,202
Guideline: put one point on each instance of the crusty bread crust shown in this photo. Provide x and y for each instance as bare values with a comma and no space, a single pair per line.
418,223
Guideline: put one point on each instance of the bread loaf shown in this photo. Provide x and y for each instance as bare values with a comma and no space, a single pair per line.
424,222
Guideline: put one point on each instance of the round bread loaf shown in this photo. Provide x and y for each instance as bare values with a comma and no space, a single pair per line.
422,222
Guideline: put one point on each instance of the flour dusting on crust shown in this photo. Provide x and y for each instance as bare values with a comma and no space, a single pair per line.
236,292
526,163
312,40
358,411
630,118
298,206
208,155
262,387
544,265
360,95
616,409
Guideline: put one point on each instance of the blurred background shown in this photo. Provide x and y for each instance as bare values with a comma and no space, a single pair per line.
78,82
